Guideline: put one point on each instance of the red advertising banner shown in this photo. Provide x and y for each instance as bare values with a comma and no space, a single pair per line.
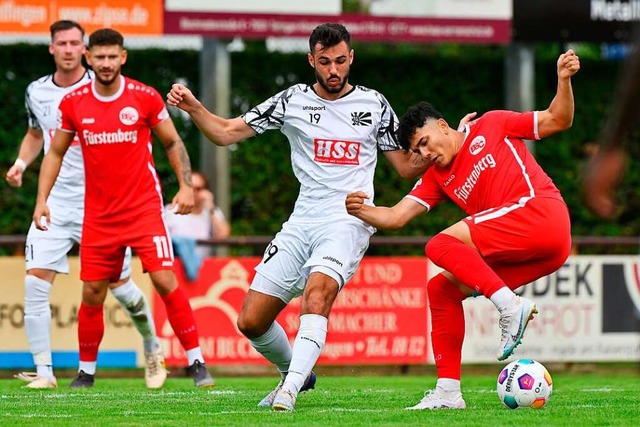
380,317
361,27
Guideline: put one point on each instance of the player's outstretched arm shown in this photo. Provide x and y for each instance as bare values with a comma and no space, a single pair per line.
409,165
607,166
49,171
218,130
30,148
602,176
382,217
183,201
559,115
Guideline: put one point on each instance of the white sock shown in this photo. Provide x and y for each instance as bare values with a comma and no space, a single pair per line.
37,319
274,346
88,367
448,385
44,371
193,355
306,350
135,304
503,298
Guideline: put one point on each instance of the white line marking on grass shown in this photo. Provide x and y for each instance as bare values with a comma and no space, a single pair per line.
480,391
600,390
40,415
353,410
224,392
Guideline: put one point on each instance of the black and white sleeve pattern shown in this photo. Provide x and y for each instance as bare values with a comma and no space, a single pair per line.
270,113
387,140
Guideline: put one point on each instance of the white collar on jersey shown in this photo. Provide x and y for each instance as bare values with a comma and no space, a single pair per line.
111,97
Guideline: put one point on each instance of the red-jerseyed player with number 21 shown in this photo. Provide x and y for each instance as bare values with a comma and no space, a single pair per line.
113,117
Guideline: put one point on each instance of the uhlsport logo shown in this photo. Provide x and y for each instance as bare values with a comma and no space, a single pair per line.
336,151
477,145
129,116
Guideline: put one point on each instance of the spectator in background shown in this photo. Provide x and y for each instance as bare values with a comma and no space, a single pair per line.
206,221
606,167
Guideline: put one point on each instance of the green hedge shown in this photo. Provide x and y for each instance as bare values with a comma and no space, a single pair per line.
263,186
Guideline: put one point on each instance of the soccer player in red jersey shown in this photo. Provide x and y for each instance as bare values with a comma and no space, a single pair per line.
517,231
113,116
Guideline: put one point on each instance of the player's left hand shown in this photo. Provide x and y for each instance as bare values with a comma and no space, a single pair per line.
467,119
355,201
568,64
183,201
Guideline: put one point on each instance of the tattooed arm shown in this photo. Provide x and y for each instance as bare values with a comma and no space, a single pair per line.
183,201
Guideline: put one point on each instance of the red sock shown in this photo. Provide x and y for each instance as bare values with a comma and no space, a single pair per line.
90,331
181,318
447,325
464,262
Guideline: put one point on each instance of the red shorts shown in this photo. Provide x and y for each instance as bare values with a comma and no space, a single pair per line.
103,247
523,242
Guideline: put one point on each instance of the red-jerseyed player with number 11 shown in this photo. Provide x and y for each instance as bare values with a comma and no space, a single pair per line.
517,231
113,118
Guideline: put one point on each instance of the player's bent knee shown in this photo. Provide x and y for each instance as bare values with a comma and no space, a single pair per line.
251,328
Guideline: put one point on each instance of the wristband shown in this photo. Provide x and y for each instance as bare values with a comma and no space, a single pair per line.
21,164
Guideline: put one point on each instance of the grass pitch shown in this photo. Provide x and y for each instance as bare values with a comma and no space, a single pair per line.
578,399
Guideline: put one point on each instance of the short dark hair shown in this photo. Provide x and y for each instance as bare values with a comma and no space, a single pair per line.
415,117
328,35
106,37
64,24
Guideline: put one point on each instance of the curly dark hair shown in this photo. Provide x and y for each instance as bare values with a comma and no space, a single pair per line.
328,35
415,117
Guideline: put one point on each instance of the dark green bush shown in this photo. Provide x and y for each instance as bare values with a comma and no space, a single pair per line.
263,186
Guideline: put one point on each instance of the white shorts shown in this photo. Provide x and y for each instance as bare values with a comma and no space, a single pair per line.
299,249
48,250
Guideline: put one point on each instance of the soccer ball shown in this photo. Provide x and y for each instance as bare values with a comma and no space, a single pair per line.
524,383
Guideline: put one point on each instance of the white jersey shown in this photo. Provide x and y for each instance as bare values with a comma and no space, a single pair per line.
334,144
41,100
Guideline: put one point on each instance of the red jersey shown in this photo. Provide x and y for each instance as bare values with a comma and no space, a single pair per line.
115,135
492,168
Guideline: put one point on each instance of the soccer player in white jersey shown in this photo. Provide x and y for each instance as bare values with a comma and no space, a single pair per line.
46,252
335,129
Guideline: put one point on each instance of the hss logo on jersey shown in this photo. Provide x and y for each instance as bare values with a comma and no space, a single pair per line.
336,151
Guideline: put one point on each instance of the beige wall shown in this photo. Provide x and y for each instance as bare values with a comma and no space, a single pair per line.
65,301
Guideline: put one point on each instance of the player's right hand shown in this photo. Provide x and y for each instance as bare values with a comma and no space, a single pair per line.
14,176
41,216
180,96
